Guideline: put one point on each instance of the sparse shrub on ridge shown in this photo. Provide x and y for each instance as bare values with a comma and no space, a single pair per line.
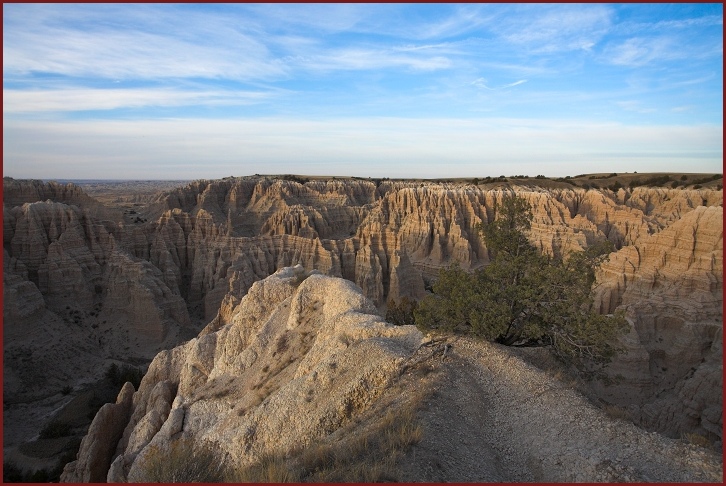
119,375
617,413
615,186
401,312
524,297
655,181
55,429
697,440
294,178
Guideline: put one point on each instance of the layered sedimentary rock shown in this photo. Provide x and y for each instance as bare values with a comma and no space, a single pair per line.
73,298
431,225
18,192
102,288
671,286
301,355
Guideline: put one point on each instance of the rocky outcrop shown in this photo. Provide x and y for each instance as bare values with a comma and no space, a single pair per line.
305,357
82,288
671,286
98,446
74,298
208,229
19,192
679,266
301,356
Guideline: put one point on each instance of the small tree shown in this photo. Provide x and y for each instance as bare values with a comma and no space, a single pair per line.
524,297
400,312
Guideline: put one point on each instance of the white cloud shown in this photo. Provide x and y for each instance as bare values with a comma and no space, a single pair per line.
370,59
328,18
554,28
628,27
143,42
393,147
639,51
481,83
462,20
79,99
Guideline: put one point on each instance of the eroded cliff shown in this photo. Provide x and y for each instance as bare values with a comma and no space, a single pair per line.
301,356
83,289
306,364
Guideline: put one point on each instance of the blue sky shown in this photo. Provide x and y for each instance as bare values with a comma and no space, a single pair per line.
144,91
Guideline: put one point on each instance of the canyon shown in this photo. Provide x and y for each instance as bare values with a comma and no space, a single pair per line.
199,278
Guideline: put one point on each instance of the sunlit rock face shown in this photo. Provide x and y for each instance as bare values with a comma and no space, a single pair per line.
83,286
302,355
671,286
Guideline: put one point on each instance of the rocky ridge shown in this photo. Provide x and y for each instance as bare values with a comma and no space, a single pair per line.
296,362
87,284
302,360
670,285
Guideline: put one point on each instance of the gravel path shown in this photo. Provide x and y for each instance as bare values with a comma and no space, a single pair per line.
494,418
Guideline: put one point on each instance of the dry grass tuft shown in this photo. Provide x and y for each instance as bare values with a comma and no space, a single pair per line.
184,461
617,413
272,468
697,440
364,455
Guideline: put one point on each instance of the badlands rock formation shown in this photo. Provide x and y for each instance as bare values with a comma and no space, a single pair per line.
671,286
74,301
297,361
73,298
301,361
83,288
392,238
18,192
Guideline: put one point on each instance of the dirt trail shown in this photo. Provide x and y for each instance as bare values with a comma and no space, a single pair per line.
494,418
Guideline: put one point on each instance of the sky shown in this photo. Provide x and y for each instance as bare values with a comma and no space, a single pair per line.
204,91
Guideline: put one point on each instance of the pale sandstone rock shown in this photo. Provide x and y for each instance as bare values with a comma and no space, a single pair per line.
671,285
297,360
18,192
206,241
97,447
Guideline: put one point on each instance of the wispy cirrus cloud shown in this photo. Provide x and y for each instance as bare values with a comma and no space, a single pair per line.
466,79
481,83
638,51
441,22
555,28
630,27
369,59
60,46
638,43
83,99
